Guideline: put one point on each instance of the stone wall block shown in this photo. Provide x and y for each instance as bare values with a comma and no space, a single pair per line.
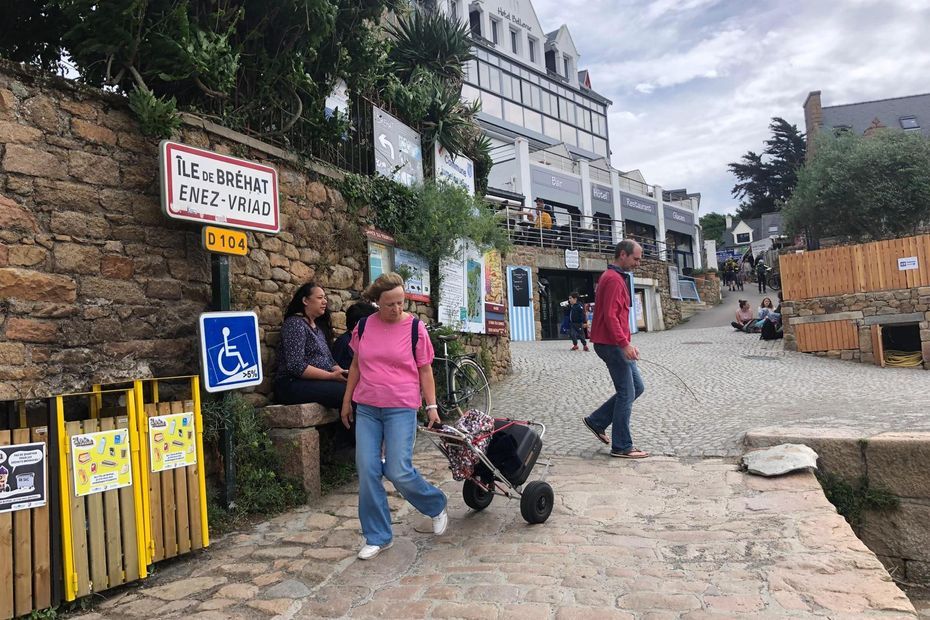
298,416
93,169
900,464
80,109
4,256
80,225
16,133
35,286
43,113
118,291
27,255
76,258
67,196
8,104
93,132
30,330
33,162
902,532
299,454
12,354
116,267
163,289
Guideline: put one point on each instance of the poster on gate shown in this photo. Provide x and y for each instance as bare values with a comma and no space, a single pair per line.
172,441
23,475
100,461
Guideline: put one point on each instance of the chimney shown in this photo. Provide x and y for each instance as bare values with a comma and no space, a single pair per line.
813,117
729,221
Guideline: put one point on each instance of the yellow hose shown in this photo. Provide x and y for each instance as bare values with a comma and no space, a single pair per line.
903,359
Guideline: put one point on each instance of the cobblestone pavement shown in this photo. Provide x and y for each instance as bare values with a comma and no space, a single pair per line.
740,381
650,540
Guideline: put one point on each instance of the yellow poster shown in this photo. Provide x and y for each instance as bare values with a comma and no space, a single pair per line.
171,441
494,280
100,461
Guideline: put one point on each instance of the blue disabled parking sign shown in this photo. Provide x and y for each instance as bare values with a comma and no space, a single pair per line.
229,350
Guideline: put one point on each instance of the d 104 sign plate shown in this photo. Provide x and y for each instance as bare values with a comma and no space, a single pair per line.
225,241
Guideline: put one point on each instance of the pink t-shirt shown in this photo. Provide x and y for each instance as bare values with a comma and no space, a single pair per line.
388,375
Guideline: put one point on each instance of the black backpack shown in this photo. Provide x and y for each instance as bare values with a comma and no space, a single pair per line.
414,333
770,331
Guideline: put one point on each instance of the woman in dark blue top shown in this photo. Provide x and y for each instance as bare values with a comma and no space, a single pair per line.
307,372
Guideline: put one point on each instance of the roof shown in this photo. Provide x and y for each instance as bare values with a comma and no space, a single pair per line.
761,228
861,116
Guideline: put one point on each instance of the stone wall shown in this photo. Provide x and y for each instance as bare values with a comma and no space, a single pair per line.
864,310
538,258
895,464
97,285
709,290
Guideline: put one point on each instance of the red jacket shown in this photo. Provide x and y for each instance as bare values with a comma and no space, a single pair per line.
611,324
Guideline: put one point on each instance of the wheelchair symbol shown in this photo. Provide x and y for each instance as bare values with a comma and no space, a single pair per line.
229,351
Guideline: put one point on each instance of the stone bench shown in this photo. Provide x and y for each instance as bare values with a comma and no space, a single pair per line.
292,430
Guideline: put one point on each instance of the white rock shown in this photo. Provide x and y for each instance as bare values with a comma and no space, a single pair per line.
780,459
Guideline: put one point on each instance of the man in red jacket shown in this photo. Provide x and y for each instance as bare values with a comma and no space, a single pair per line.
610,333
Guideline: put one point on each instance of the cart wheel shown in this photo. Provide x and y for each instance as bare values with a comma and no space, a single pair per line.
536,502
475,497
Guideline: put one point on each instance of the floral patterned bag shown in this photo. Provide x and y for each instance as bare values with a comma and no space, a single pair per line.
478,426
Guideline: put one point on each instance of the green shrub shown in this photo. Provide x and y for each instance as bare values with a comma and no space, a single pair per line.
851,499
260,487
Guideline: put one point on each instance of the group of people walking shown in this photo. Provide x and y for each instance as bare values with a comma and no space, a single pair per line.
735,274
379,374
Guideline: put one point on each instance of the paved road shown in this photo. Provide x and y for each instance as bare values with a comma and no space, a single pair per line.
740,383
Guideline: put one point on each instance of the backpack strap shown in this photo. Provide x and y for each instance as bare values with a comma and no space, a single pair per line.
414,333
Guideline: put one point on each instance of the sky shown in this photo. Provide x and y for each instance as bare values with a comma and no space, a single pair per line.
695,83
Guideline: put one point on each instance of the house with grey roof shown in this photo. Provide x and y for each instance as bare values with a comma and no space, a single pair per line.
759,233
911,113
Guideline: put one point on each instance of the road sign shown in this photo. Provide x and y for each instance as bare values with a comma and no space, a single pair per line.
202,186
229,350
225,241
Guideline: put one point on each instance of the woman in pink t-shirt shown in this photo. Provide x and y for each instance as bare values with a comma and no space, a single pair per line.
386,380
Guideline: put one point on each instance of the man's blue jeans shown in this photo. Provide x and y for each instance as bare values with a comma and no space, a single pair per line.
618,408
396,427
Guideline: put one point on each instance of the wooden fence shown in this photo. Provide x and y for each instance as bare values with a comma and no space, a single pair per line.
827,336
862,268
25,546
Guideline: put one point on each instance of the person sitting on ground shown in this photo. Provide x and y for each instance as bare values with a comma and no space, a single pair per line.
342,352
744,316
307,372
765,311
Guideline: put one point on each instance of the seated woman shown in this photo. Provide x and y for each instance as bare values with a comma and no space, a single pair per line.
744,319
307,372
765,311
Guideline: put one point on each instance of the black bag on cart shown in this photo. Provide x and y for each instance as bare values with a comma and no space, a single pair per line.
513,451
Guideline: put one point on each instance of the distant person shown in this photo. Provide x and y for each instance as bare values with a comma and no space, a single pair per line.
744,317
610,332
761,270
307,372
543,219
342,352
577,322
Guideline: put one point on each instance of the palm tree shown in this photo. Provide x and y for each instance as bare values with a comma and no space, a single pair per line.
428,39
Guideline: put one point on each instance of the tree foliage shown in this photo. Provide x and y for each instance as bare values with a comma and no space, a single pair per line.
31,31
766,180
861,188
714,225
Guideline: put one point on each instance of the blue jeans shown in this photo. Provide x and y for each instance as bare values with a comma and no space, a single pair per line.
396,427
618,408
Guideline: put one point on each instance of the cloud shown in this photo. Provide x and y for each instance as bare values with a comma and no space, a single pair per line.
695,83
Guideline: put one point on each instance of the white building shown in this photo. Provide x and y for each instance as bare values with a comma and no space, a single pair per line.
549,131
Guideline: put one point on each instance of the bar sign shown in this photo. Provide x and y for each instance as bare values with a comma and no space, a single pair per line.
225,241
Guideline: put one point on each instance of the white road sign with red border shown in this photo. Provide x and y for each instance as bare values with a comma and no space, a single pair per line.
207,187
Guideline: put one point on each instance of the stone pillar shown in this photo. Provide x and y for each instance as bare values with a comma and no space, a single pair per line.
710,249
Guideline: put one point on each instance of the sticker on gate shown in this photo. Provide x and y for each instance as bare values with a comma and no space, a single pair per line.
171,441
100,461
23,475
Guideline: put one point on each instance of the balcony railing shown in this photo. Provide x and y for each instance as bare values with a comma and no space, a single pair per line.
555,160
571,231
632,185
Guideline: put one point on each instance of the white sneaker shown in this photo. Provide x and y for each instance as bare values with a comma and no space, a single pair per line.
369,551
440,522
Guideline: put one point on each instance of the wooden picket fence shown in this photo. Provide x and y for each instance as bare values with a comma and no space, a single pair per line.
827,336
862,268
105,530
25,546
174,498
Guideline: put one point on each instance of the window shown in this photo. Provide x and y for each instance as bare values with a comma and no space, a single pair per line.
514,41
567,63
909,123
532,120
495,31
494,80
491,105
743,237
513,113
474,21
531,46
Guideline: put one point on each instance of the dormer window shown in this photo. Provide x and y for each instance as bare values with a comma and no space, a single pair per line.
495,31
514,41
743,237
909,123
531,46
567,64
474,20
